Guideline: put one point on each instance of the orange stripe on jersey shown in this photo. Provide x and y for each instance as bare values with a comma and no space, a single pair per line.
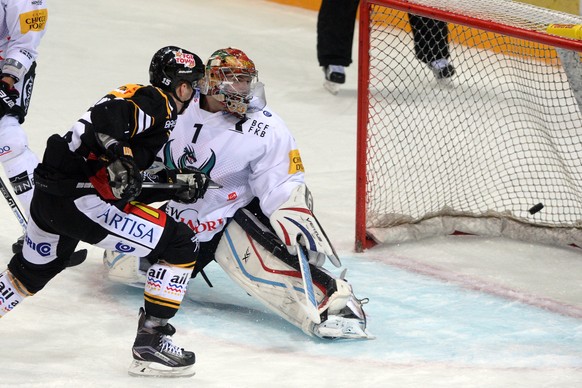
135,119
153,215
186,265
168,106
126,91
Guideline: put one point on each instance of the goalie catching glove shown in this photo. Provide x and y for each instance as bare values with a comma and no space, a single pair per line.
193,183
295,223
196,184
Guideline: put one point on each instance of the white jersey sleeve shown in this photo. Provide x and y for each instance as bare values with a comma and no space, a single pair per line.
279,170
23,26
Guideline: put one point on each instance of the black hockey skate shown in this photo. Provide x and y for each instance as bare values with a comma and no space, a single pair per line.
155,355
335,75
442,69
17,246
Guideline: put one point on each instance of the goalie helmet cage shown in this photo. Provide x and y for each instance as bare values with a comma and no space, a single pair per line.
496,150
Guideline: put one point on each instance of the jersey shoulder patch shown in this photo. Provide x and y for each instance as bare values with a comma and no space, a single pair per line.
262,124
33,20
126,91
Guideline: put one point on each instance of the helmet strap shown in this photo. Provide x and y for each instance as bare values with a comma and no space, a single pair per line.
185,103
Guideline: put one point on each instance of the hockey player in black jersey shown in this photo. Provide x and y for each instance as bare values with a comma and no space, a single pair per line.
89,188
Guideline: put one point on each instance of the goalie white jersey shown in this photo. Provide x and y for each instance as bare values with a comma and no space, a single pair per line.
251,157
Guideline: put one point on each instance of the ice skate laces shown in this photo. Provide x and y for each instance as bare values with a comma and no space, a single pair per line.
166,344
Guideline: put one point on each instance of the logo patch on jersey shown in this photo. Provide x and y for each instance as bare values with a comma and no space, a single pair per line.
43,248
295,163
21,183
185,59
123,248
258,128
170,124
188,159
268,114
136,228
4,150
33,20
146,212
232,196
190,218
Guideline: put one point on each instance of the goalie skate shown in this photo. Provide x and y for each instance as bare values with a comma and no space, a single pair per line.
345,315
336,327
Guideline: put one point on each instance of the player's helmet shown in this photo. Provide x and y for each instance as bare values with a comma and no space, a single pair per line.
172,65
230,78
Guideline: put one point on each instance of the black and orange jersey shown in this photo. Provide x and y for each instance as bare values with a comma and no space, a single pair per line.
141,116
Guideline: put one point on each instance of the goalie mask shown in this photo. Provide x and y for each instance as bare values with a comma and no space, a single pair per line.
232,79
171,66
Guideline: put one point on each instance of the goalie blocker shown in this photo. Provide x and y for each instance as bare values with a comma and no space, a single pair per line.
256,259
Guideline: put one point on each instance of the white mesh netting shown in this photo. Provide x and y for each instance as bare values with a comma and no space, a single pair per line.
502,135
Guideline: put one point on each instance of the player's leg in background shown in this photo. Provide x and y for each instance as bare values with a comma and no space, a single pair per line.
335,34
431,44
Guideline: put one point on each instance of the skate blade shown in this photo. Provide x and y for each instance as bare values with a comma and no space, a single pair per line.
153,369
357,334
332,87
445,83
342,328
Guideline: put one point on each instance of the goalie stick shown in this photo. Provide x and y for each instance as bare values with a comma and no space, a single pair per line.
155,185
76,257
311,308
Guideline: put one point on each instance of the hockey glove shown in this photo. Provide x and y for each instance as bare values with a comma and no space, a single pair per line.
196,185
124,176
8,97
294,222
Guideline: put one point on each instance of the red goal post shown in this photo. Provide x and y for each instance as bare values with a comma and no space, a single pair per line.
501,138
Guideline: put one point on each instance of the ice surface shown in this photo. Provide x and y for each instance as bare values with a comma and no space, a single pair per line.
447,312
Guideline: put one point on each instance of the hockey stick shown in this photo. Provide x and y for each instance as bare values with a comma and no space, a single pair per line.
76,257
13,205
311,308
155,185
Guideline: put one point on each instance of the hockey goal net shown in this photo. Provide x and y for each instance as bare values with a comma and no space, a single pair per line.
494,150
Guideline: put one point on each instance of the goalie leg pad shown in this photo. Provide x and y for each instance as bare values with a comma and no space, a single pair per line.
124,268
265,272
295,222
263,276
